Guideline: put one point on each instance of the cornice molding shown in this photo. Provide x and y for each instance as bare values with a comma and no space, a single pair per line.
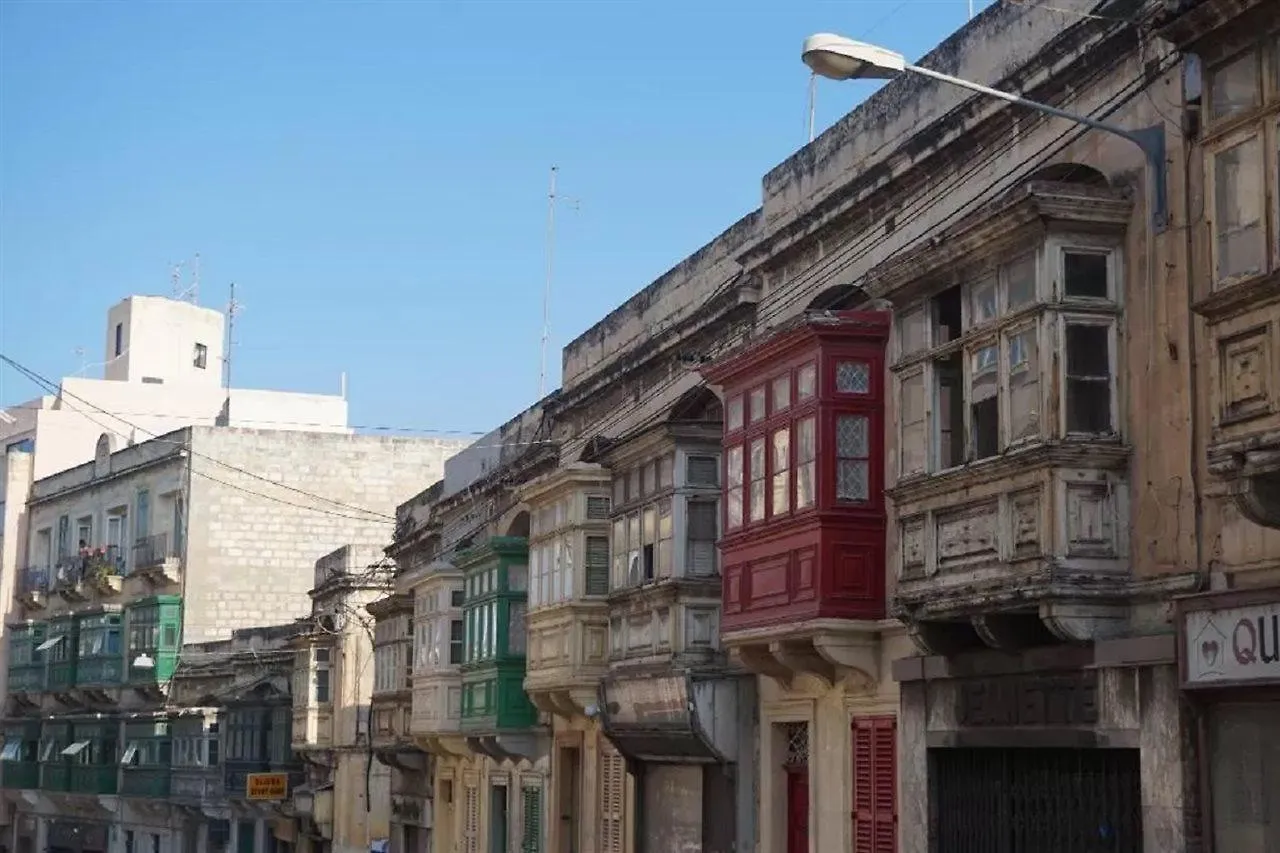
1096,454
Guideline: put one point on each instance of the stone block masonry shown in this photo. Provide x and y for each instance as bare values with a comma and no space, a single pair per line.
253,541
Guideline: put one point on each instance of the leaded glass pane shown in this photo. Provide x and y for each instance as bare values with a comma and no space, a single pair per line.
853,377
851,437
851,480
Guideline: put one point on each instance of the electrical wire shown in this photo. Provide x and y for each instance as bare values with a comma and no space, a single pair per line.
49,385
199,473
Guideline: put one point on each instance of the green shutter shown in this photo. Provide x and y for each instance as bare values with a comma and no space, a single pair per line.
531,837
597,565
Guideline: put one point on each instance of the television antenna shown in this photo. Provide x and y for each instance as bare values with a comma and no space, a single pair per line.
189,292
552,198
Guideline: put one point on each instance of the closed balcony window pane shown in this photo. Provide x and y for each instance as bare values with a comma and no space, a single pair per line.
1239,227
1024,385
781,472
806,462
1088,381
852,463
913,450
758,473
733,491
1236,87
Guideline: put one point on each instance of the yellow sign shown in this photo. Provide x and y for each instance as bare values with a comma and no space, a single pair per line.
267,786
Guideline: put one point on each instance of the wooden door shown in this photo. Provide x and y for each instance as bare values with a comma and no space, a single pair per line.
798,809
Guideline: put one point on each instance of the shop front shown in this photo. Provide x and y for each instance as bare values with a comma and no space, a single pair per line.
1230,665
680,736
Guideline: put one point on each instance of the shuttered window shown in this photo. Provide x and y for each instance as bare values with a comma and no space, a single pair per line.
531,831
597,565
702,537
875,785
704,471
471,818
613,787
597,508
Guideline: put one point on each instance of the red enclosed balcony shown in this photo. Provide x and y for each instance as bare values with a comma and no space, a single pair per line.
803,525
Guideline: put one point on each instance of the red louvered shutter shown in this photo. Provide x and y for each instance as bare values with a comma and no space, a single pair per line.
875,785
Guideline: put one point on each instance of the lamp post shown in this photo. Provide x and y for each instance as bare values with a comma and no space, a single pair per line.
838,58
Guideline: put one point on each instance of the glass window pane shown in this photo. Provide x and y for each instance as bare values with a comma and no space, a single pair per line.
984,408
806,382
1085,274
1235,87
851,480
781,473
1024,385
733,414
982,300
912,453
1019,278
851,437
1088,379
1238,192
853,377
806,466
911,332
757,480
782,392
756,404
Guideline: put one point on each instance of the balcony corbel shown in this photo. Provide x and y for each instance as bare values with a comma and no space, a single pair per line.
1251,471
1085,623
856,657
444,745
510,746
800,656
758,659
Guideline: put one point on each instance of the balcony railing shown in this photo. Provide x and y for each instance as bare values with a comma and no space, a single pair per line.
34,579
94,778
20,774
146,782
55,775
154,552
196,783
104,561
26,678
100,671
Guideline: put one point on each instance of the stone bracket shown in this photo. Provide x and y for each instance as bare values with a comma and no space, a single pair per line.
855,656
800,656
1085,623
758,659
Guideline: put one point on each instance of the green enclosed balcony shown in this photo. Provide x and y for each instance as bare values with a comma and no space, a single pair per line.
154,633
55,767
26,657
19,759
495,584
146,760
92,754
100,655
61,646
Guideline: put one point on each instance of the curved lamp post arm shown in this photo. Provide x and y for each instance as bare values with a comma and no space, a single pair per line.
1150,140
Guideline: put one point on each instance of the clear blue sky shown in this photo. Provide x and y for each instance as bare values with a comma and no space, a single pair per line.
372,175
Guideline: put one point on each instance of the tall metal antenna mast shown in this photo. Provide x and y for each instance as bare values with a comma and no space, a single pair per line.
233,308
552,199
546,291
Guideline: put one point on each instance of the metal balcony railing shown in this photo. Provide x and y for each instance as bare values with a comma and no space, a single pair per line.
90,563
34,579
152,551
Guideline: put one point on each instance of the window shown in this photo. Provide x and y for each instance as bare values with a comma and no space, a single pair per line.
852,458
734,478
756,405
911,424
1242,148
119,348
781,448
597,507
853,377
782,393
702,537
455,641
703,471
975,388
755,507
456,597
320,677
1088,378
200,358
807,382
806,462
733,414
597,565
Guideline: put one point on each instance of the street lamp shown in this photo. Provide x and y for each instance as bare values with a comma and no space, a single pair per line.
838,58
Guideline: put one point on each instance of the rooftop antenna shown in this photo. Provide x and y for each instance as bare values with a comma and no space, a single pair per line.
552,198
233,308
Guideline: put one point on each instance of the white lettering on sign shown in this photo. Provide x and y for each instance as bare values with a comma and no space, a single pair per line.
1233,644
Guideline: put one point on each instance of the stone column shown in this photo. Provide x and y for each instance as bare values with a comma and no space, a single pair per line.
913,768
1162,767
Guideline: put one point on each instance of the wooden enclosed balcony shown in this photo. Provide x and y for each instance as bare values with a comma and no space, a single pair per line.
568,619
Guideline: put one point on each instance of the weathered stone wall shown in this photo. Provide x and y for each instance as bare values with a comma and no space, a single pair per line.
254,541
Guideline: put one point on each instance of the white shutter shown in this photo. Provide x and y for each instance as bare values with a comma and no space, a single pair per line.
471,818
613,786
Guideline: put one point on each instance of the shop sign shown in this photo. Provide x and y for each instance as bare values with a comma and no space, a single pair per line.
643,702
266,786
1057,700
1235,644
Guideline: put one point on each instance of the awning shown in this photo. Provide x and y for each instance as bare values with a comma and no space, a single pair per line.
10,751
50,643
75,748
378,845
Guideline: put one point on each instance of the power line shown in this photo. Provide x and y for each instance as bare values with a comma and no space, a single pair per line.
49,386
